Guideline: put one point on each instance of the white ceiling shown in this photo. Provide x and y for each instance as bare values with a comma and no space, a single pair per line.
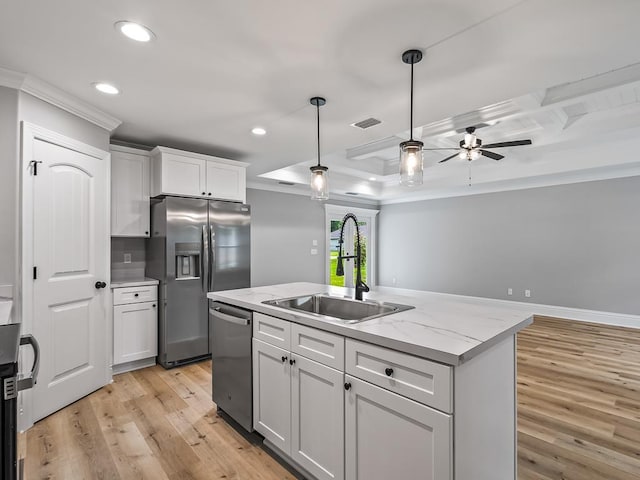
217,69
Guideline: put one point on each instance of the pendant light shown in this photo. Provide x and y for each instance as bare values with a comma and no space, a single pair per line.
319,174
411,150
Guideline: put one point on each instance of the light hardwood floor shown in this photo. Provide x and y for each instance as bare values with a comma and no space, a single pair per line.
578,401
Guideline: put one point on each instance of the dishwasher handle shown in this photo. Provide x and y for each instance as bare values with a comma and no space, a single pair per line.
217,313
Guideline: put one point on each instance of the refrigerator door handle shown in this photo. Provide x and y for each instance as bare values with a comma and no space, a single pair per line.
204,260
212,260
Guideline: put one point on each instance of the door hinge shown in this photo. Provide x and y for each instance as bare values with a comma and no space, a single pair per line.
34,167
35,273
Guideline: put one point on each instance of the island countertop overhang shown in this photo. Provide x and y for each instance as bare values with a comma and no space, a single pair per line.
443,328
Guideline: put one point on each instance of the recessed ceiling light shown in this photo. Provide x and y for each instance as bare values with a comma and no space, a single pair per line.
372,179
134,31
106,88
258,131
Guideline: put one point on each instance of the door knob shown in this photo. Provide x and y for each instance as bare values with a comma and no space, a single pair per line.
100,284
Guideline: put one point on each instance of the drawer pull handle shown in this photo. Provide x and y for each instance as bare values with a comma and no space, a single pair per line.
292,361
347,386
284,359
388,371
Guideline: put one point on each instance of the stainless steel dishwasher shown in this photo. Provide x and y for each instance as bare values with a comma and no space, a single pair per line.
230,342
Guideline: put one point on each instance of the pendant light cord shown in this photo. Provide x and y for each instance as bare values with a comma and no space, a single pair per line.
411,108
318,122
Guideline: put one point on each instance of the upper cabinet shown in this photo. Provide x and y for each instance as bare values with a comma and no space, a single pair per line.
176,172
129,192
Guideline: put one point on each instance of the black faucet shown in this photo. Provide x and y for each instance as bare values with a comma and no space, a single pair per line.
361,287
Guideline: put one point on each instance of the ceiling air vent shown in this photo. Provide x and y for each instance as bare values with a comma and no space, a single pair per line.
288,184
367,123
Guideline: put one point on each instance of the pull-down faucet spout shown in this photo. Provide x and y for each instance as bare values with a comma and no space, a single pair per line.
361,287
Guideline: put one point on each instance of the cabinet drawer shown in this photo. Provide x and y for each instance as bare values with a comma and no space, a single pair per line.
146,293
272,330
323,347
416,378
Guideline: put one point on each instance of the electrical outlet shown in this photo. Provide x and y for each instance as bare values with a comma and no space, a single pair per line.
509,291
314,251
527,293
127,258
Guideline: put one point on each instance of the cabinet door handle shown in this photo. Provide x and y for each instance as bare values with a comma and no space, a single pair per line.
209,193
284,359
292,361
146,233
347,386
388,371
136,294
154,305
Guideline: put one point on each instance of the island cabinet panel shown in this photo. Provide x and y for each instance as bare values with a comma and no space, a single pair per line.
417,378
272,394
388,436
324,347
272,330
317,401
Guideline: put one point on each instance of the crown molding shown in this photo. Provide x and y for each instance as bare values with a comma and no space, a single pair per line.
59,98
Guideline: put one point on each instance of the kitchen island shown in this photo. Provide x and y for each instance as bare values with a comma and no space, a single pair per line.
426,393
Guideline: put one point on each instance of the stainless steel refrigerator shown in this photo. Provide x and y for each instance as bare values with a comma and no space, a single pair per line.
196,246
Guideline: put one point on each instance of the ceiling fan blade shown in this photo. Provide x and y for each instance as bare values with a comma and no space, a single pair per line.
515,143
492,155
448,158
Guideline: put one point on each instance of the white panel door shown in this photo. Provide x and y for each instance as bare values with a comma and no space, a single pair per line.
317,426
226,182
272,394
386,433
129,195
183,175
71,252
135,332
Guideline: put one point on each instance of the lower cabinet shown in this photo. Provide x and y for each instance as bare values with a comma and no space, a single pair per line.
390,436
135,328
299,408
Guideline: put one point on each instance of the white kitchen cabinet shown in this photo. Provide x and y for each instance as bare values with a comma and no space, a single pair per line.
272,394
177,172
317,424
129,192
390,436
298,403
135,327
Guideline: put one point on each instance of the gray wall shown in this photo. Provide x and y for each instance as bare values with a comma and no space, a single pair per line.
8,187
283,227
572,245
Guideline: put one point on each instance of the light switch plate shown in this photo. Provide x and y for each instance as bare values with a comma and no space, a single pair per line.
127,258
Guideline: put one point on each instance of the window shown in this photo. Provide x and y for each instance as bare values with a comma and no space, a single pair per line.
367,226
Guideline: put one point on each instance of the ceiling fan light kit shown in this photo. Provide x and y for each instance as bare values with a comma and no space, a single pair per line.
319,174
411,164
470,147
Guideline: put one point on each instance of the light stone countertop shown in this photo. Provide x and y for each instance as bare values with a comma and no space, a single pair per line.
133,282
445,328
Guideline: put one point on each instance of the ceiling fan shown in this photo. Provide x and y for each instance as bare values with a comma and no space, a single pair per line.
471,147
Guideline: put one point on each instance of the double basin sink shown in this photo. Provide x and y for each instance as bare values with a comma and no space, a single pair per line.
334,308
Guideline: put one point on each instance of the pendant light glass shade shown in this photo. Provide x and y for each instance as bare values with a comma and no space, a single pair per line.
319,183
319,175
411,163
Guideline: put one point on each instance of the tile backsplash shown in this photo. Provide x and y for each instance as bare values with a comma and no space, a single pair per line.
121,246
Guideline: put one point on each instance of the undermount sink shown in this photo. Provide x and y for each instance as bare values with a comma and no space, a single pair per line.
338,308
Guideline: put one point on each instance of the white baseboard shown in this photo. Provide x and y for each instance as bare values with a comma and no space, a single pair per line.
135,365
593,316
